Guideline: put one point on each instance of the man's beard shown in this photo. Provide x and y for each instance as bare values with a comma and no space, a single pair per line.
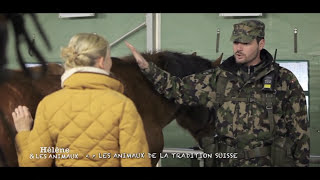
245,61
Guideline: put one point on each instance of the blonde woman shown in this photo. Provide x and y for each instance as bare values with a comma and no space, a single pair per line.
89,122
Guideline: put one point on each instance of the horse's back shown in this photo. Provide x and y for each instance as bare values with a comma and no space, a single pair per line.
19,89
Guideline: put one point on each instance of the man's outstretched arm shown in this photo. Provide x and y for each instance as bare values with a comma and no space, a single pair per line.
195,89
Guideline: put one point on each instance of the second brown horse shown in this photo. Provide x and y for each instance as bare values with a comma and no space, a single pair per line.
156,111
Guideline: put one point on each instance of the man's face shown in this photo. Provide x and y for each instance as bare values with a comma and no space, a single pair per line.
248,53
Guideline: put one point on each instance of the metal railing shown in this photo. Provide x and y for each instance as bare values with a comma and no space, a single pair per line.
128,33
314,159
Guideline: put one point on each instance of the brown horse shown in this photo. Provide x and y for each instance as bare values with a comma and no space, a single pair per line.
156,111
19,89
11,89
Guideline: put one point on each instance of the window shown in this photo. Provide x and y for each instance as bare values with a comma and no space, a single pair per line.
72,15
240,14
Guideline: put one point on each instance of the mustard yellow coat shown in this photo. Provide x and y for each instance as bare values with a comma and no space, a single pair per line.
87,123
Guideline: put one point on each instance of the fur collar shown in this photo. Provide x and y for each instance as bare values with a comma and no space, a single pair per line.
90,69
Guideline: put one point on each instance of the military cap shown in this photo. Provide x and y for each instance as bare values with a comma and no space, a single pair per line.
248,30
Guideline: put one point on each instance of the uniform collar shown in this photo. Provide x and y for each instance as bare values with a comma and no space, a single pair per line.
231,65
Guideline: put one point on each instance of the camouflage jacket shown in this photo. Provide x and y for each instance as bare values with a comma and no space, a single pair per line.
244,123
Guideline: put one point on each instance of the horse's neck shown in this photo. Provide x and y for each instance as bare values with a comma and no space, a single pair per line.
197,120
153,107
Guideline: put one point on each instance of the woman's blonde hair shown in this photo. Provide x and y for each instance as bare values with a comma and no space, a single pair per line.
83,50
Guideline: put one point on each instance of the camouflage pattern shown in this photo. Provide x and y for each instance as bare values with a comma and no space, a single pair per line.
242,118
248,30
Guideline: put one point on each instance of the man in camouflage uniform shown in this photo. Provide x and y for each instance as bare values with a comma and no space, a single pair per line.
261,108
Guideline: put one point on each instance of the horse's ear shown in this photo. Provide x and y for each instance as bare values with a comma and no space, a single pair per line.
217,62
194,54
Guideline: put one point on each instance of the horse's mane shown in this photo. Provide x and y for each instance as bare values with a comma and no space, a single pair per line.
176,63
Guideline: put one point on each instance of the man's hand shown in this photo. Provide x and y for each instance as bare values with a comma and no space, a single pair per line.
142,63
22,119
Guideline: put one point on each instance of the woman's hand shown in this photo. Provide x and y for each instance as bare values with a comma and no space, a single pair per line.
22,119
142,63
